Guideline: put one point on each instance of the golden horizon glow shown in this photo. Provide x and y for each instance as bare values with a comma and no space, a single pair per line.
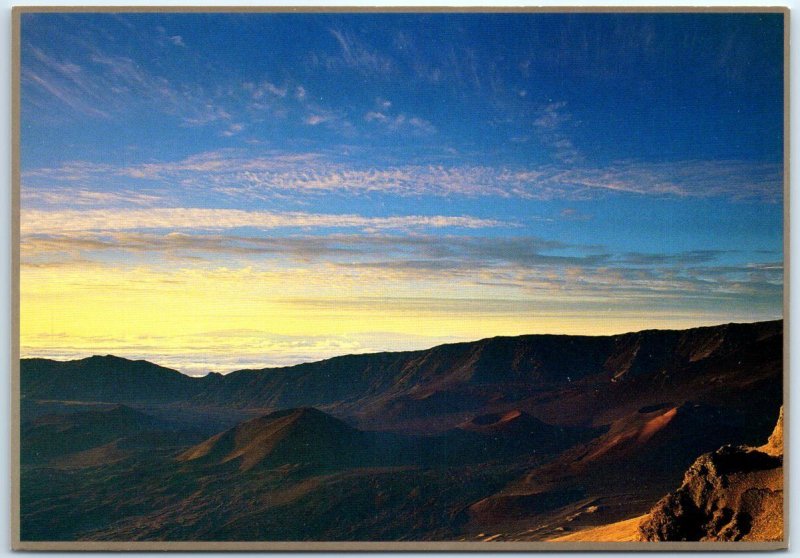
195,319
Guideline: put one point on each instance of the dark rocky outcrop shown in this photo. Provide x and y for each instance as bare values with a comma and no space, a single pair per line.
732,494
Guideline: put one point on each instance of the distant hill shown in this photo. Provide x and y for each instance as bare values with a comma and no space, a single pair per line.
295,436
454,381
103,378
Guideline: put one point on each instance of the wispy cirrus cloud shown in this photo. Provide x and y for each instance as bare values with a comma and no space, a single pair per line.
317,118
248,175
180,218
96,79
737,180
523,265
264,89
356,54
376,249
549,127
387,120
66,197
101,85
65,81
572,214
400,122
233,130
552,116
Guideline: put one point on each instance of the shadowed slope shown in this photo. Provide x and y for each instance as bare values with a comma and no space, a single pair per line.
54,436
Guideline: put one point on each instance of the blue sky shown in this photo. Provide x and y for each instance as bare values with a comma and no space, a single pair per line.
625,162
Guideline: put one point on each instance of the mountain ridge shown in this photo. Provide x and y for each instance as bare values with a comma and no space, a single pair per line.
438,388
112,358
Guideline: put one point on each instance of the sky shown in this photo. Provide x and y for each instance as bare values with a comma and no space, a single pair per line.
221,191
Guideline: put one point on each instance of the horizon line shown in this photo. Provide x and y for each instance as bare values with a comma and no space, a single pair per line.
389,351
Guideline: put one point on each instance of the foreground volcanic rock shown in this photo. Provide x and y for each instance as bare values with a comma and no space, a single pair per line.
732,494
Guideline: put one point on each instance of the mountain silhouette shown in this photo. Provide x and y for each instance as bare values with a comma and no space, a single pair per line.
418,389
